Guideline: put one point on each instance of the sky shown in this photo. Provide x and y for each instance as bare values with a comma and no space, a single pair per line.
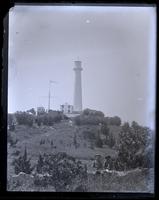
117,47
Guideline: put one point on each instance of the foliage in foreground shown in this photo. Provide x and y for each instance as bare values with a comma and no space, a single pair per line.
135,147
60,170
63,171
24,118
22,164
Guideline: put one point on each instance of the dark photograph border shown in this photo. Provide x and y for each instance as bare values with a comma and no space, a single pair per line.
4,8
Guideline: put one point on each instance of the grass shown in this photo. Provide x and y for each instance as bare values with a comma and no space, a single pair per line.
62,134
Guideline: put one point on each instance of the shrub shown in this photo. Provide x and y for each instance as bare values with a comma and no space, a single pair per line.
125,127
39,120
11,122
116,121
40,164
12,141
41,180
86,112
132,146
23,118
93,113
112,120
88,120
22,164
16,153
49,119
42,141
65,117
75,141
105,130
99,142
88,116
112,141
63,171
89,135
51,143
77,120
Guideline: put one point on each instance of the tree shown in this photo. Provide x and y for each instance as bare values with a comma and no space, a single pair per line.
111,141
86,111
91,112
114,120
105,131
40,164
75,141
88,116
134,124
23,164
117,121
48,119
125,127
24,118
132,146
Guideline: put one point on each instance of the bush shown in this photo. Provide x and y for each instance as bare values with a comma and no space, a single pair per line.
75,141
11,122
23,118
49,119
99,142
89,135
51,143
42,141
86,112
41,180
105,130
40,164
39,120
16,153
63,171
88,116
112,141
132,147
125,127
93,113
77,120
12,141
88,120
22,164
112,120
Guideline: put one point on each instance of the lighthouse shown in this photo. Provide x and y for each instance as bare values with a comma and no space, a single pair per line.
77,87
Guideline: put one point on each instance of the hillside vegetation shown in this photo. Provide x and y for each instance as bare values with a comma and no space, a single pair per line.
89,142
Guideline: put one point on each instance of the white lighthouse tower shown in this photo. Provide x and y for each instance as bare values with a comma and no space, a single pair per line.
78,87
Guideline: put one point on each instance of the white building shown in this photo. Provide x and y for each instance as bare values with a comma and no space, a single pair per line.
66,108
40,110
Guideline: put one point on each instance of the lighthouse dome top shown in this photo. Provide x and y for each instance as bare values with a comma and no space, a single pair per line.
78,64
